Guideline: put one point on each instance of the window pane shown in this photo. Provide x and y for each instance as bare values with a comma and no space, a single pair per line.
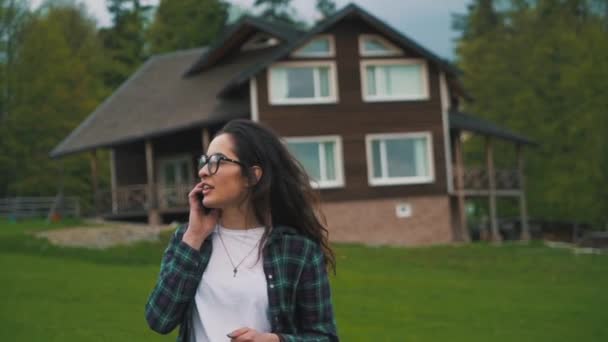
376,158
374,45
316,47
278,83
300,83
330,161
185,172
400,156
422,157
323,81
308,155
403,80
169,174
407,157
371,80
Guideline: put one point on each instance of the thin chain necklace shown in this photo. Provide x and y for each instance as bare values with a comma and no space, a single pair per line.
235,268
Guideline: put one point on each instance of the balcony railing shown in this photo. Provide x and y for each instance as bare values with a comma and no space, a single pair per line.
136,198
476,178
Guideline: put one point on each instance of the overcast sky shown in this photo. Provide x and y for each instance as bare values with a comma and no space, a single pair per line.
428,22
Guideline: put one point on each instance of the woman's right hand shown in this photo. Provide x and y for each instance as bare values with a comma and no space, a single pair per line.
200,225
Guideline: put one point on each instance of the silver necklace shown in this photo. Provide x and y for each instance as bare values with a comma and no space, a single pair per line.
235,268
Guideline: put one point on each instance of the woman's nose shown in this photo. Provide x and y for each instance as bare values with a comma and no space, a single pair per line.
204,171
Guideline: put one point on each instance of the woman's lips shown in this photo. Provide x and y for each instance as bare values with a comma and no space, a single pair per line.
206,191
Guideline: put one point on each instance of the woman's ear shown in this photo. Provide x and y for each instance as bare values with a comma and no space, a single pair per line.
255,175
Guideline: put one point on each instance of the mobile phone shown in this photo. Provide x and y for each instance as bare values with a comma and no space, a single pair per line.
200,197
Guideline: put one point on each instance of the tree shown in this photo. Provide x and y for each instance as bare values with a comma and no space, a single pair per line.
124,41
535,67
58,85
326,7
13,14
279,11
183,24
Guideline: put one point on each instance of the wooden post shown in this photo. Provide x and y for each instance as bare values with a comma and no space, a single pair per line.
495,235
113,181
153,214
523,208
95,181
462,215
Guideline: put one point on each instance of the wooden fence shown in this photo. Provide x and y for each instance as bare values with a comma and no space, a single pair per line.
30,207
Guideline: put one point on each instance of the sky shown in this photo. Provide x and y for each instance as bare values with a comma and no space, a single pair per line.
428,22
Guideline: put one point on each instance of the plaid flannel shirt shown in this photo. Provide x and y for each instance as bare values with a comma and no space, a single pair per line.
299,298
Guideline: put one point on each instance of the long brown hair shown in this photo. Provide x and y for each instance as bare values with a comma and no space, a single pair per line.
283,195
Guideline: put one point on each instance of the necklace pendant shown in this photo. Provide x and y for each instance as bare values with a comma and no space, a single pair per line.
234,273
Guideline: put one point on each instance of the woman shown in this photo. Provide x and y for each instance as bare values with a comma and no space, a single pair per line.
253,267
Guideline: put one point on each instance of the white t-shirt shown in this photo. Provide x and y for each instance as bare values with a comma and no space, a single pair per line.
225,302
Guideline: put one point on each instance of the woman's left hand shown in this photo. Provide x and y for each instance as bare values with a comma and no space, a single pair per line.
251,335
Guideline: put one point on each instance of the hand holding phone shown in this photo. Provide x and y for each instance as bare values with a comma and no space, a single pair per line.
202,220
200,198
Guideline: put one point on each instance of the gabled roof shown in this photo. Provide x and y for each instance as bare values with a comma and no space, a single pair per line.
467,122
348,11
157,100
236,33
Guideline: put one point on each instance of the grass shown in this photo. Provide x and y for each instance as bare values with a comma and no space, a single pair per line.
477,292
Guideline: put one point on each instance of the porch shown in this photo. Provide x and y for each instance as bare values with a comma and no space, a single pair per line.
486,181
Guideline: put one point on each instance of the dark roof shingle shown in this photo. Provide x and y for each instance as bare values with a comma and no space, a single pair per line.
157,99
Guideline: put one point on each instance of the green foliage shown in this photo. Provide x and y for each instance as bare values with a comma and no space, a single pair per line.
184,24
124,41
326,7
538,68
58,84
279,11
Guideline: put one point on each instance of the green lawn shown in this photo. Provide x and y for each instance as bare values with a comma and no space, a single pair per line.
477,292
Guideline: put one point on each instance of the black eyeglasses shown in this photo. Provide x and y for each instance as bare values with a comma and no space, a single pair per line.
213,162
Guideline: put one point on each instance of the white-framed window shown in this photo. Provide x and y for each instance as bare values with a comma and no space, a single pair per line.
320,46
399,158
394,80
322,158
302,83
376,45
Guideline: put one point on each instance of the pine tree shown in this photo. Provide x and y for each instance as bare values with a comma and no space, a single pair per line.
124,41
183,24
326,7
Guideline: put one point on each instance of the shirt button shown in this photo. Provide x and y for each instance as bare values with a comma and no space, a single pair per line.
272,286
270,276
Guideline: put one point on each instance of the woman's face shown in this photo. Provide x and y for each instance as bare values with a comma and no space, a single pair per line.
227,187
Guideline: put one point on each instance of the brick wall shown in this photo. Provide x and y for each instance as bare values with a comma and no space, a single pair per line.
375,222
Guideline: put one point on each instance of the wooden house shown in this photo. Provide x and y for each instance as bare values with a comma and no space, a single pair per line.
373,116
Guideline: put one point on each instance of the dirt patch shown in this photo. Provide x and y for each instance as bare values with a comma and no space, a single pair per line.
108,235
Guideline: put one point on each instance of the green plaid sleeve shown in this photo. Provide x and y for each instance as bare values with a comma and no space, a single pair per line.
176,285
315,314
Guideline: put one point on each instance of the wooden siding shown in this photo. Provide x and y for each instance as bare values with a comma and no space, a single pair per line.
351,118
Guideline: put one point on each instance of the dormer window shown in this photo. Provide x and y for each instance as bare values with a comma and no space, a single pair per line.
320,46
260,41
375,45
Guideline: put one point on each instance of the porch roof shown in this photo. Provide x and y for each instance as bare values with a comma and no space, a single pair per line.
463,121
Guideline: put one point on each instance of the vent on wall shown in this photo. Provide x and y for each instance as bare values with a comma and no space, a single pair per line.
260,41
403,210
